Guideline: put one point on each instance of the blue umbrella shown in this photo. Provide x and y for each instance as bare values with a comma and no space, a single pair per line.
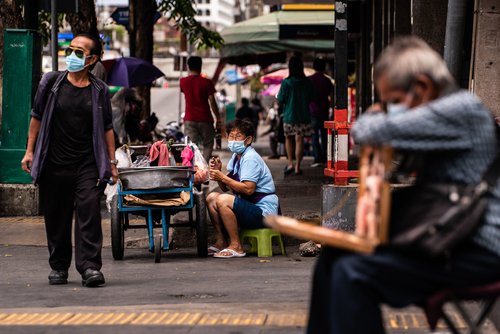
131,72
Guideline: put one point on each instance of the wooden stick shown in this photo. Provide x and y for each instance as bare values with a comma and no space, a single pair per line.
323,235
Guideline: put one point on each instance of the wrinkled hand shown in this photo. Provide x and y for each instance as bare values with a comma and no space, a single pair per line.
114,174
27,162
216,175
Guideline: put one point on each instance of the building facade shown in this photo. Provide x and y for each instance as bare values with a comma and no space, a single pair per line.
215,14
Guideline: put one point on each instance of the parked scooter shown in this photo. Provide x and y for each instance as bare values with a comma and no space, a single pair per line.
172,130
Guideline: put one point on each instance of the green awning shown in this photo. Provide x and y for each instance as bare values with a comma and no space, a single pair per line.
303,31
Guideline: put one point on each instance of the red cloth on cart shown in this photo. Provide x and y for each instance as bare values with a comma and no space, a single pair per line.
159,150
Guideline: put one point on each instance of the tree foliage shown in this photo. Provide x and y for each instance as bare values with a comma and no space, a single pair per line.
10,17
85,21
141,34
183,13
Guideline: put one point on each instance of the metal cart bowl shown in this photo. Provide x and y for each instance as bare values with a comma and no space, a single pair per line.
155,181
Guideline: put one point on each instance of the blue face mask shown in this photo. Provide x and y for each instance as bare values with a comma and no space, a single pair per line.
74,63
394,109
236,146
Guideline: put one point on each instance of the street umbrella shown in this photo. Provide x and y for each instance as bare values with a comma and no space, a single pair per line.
265,38
277,77
131,72
272,90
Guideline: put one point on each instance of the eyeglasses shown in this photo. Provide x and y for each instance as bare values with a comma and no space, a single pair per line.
80,53
238,136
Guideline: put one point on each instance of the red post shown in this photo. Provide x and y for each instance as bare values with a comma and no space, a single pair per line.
342,145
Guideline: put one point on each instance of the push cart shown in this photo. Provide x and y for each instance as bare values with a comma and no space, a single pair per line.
158,182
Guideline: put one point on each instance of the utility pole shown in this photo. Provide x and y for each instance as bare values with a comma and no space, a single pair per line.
132,27
340,117
54,30
182,54
454,38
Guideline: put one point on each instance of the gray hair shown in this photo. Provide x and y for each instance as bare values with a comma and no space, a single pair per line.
408,57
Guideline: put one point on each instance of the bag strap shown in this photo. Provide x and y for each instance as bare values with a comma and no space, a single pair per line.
493,172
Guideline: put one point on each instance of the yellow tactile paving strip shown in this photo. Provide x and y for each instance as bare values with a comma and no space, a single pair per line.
394,320
22,219
39,220
406,320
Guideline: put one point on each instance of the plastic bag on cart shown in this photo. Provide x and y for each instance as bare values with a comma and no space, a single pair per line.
124,157
141,161
201,168
110,191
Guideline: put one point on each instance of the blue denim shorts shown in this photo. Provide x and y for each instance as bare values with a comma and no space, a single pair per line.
248,214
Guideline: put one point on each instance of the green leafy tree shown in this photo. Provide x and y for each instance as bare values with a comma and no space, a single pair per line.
10,17
141,25
85,20
183,13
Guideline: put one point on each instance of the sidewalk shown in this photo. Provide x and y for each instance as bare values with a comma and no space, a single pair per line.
300,197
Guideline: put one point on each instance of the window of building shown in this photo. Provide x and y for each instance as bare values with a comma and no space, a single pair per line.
207,12
200,13
207,1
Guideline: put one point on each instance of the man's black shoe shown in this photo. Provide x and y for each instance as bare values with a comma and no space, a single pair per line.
92,278
58,277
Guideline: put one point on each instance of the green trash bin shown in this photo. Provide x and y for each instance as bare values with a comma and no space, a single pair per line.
230,112
21,73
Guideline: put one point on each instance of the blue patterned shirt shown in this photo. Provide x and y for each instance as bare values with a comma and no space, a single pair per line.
456,134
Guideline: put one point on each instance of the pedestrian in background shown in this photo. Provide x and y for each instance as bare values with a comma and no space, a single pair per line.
199,93
258,114
244,112
99,71
455,133
319,108
126,108
273,120
296,92
73,160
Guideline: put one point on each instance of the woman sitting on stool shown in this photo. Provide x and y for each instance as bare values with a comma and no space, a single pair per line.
253,189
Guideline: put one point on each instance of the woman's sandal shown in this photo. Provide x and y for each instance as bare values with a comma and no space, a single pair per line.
232,253
212,250
288,170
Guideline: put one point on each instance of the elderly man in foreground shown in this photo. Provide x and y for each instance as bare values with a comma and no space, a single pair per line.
455,135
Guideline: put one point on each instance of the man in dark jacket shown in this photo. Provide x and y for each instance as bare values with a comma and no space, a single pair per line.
319,108
70,155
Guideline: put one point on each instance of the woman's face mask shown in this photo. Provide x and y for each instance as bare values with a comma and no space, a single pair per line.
237,146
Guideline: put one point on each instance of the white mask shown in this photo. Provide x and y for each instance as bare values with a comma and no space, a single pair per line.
394,109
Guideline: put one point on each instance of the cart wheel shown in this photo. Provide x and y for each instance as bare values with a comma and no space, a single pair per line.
201,224
158,246
117,230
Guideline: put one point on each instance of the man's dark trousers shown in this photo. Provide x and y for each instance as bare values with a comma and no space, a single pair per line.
349,288
65,191
319,138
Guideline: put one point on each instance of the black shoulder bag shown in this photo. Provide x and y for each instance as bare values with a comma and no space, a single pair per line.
433,218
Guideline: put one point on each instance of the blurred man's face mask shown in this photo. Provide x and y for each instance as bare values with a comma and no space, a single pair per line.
394,109
403,105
